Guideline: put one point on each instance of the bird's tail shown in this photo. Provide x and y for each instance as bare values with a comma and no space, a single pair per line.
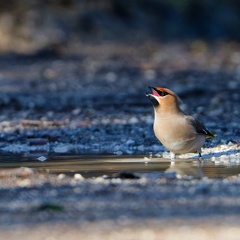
211,135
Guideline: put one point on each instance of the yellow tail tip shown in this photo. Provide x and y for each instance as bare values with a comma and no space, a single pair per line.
213,136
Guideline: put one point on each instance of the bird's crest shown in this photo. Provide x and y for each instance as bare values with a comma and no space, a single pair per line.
161,92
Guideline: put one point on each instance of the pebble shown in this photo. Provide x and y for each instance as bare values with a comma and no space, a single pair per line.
125,175
78,176
118,152
232,85
37,141
24,183
42,158
17,172
62,148
61,176
133,120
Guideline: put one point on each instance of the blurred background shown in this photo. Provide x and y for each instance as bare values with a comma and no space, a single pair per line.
88,64
27,26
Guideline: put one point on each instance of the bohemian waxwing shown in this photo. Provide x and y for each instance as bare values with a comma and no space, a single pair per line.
178,132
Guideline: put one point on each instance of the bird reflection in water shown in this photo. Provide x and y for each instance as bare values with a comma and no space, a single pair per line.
186,169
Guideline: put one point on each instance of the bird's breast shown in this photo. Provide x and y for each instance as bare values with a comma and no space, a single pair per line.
177,136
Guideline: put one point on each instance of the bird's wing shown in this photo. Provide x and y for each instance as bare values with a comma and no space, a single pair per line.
199,127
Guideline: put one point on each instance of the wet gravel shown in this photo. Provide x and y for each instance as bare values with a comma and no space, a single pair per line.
30,203
41,198
92,101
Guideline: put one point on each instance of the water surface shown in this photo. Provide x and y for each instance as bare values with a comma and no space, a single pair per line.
99,165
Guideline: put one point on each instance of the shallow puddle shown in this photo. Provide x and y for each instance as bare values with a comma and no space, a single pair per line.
99,165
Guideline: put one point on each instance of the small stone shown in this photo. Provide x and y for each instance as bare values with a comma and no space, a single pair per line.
140,148
233,85
118,152
76,111
61,176
125,175
130,142
111,77
17,172
159,155
133,120
24,183
42,159
78,176
61,149
37,141
213,158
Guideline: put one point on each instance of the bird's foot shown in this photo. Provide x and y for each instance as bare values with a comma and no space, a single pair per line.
200,158
172,156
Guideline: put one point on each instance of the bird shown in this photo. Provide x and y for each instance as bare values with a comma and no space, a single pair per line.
178,132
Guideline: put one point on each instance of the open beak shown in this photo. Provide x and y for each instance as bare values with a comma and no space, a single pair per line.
153,97
154,91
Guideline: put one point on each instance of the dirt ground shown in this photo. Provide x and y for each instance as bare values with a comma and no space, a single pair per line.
155,206
91,99
151,230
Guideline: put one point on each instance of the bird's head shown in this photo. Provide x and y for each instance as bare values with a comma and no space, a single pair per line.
164,99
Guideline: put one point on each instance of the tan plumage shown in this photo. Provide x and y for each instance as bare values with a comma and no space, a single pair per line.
178,132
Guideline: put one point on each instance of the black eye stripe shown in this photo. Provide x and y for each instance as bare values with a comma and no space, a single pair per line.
162,94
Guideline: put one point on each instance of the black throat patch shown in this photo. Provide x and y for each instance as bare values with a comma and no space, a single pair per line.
154,101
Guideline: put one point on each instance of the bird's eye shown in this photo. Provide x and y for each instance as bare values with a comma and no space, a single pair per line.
162,94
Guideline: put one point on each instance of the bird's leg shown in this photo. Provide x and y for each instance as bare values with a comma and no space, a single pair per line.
200,158
173,156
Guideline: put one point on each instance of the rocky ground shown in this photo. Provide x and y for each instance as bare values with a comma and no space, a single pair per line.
91,99
149,206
